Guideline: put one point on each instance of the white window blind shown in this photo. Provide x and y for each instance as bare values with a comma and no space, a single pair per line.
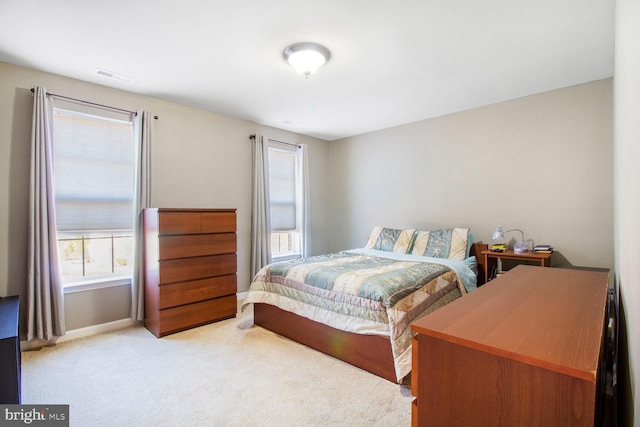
282,188
94,168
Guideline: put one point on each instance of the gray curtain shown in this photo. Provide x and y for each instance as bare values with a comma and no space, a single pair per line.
260,216
305,228
141,200
45,301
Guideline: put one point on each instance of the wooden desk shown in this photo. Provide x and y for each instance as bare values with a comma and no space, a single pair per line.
524,349
490,259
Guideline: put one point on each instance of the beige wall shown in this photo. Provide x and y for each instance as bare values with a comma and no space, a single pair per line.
199,159
542,164
627,200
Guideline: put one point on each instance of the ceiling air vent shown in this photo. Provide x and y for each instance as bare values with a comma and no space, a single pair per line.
111,75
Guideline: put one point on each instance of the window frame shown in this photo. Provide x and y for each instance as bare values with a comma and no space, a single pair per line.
85,282
294,235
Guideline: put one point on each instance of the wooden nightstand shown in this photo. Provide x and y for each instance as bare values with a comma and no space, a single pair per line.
491,259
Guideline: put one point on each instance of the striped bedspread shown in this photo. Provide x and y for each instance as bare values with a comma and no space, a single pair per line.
360,293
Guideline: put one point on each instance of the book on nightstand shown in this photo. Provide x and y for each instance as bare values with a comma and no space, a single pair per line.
543,249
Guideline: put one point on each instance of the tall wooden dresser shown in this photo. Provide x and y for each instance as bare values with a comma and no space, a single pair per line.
190,268
525,349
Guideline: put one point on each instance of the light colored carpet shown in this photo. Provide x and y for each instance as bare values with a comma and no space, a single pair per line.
229,373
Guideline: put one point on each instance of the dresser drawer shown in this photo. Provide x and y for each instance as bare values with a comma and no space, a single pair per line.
179,270
200,313
197,245
219,222
179,223
197,290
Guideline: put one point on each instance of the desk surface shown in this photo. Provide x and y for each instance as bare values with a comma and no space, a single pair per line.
531,314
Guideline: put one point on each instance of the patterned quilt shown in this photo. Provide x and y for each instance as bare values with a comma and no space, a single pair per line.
359,293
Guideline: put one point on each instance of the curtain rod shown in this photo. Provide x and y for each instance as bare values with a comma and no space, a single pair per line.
68,98
253,136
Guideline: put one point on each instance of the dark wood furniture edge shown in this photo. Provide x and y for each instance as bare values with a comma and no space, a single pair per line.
10,367
371,353
476,250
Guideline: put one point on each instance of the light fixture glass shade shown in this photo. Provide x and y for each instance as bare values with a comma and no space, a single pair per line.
306,57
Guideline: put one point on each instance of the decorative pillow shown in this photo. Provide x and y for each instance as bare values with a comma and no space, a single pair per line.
450,243
390,239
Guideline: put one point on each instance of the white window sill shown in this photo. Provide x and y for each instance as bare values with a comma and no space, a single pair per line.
285,257
98,283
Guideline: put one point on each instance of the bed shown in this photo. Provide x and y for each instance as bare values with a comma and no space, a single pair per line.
357,305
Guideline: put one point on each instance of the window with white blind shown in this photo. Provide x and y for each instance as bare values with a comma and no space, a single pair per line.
94,186
284,200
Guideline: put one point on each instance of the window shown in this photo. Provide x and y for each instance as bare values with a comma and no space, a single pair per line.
284,193
94,184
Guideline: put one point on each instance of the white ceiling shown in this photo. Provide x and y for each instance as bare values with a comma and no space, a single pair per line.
393,62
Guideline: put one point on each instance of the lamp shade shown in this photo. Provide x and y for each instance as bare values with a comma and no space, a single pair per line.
498,233
306,57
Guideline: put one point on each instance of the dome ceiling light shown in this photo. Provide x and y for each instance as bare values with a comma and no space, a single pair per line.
306,57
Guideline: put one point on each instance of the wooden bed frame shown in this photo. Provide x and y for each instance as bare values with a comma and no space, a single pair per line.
369,352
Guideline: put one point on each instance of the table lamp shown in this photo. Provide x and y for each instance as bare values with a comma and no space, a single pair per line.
518,247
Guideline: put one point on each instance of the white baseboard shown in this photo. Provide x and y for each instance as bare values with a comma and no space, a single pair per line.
94,330
80,333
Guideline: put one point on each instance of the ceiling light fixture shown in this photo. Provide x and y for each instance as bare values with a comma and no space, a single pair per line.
306,57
